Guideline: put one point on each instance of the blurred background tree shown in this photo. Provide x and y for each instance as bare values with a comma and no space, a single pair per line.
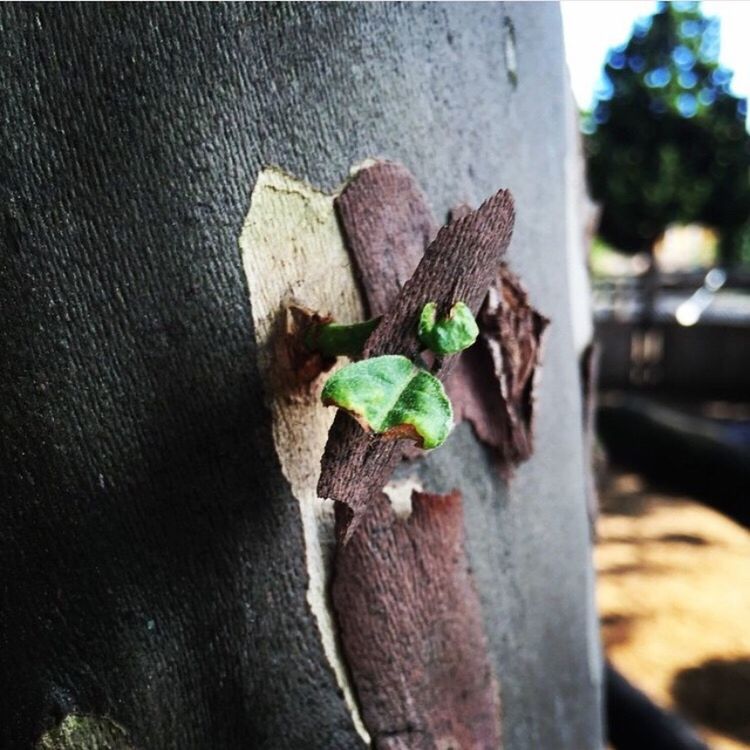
666,140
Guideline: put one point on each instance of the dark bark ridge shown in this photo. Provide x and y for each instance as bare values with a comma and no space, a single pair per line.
589,367
459,264
411,629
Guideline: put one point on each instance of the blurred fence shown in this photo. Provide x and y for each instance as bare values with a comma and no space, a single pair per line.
643,345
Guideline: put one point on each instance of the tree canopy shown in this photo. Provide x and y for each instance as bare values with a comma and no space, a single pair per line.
666,139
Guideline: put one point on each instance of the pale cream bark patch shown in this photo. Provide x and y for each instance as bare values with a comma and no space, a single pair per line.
399,492
293,251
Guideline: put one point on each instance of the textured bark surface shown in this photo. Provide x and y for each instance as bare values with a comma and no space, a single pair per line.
493,387
458,265
152,562
411,629
77,732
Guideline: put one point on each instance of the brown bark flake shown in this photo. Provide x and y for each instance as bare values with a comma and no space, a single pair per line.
411,630
493,386
387,224
292,352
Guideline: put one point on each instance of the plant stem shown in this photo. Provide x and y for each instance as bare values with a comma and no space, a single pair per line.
335,339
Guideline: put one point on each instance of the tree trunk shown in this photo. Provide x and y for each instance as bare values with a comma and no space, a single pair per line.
156,559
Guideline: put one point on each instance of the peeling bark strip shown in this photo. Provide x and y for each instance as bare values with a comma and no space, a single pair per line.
387,224
493,386
411,629
460,264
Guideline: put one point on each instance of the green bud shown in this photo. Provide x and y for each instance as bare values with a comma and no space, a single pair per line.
448,335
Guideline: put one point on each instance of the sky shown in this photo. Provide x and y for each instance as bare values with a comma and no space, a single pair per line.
592,27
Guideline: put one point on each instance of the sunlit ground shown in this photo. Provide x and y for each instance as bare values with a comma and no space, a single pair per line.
674,598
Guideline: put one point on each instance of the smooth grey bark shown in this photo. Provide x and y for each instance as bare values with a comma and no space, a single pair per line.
151,560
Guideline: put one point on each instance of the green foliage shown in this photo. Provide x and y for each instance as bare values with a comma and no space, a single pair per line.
666,140
335,339
457,331
392,396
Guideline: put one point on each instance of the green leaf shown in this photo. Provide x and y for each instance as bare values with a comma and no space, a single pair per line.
448,335
391,396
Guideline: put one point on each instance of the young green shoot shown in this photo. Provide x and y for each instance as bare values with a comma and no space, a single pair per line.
390,395
338,340
448,335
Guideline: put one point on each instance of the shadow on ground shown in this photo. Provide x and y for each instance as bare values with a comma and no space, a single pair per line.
716,694
674,597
